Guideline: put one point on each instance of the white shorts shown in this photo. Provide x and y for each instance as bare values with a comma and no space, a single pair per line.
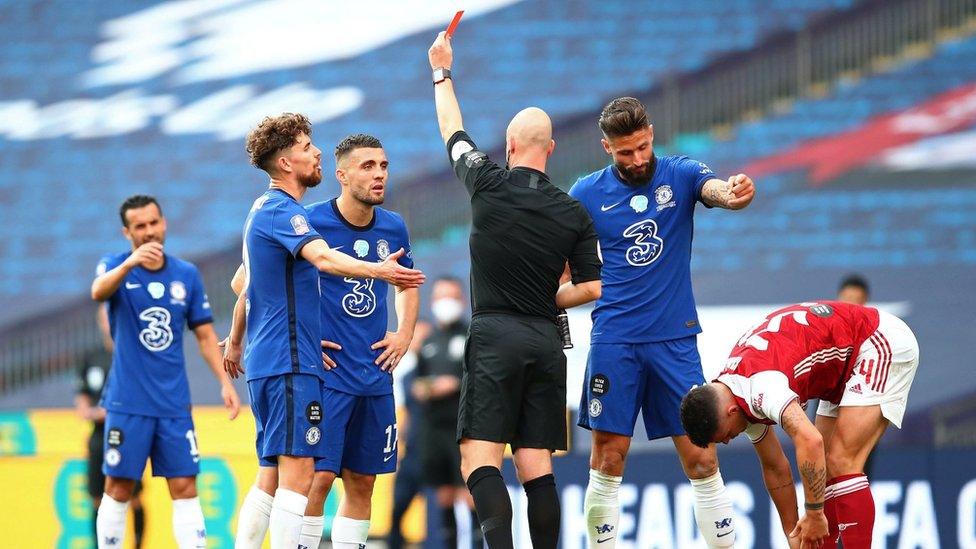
883,371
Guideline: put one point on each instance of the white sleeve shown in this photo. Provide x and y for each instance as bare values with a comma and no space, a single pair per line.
757,431
770,394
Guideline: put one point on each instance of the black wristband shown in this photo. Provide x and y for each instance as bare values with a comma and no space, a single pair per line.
813,506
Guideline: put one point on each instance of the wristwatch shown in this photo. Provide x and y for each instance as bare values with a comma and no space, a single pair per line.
441,74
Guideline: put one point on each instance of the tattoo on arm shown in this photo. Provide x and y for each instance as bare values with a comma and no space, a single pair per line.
716,193
781,486
814,477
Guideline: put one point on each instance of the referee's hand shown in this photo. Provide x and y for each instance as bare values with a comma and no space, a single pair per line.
440,53
398,275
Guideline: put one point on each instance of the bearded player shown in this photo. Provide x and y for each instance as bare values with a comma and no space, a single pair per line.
860,363
643,351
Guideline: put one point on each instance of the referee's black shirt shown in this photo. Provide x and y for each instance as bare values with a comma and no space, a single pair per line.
524,230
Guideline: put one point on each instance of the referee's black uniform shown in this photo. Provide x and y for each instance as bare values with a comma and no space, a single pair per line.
524,231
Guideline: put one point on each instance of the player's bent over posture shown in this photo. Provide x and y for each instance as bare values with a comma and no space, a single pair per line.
860,363
151,297
643,352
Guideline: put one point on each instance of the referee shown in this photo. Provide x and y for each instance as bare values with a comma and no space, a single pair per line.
513,389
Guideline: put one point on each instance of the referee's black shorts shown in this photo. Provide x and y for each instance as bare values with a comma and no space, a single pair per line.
514,384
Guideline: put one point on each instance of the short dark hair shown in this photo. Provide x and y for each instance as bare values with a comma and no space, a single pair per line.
699,415
854,281
356,141
449,278
134,202
275,134
623,116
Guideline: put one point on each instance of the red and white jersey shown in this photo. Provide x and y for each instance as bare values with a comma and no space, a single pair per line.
799,352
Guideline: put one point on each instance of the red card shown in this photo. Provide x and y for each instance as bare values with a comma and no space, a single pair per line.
454,23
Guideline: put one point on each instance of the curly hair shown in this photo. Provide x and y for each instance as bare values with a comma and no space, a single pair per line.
699,415
273,135
622,117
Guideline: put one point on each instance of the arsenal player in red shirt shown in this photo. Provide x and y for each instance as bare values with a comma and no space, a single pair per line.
860,363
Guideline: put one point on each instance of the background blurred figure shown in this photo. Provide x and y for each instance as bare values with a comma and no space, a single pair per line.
438,389
409,476
92,373
854,289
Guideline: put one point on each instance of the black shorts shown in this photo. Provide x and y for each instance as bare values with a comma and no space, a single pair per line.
440,457
96,454
514,384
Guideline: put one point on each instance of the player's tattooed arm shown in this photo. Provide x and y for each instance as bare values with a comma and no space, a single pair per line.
812,464
778,478
734,194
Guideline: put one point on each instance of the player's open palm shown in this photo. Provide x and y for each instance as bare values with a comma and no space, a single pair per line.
149,253
811,530
398,275
394,346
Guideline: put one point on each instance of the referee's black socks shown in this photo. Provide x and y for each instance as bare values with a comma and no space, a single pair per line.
544,512
493,505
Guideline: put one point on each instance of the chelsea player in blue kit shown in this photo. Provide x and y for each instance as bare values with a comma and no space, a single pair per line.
643,353
283,363
151,297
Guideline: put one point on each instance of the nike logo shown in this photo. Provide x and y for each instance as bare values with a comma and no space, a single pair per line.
610,207
131,286
604,539
338,247
388,458
723,534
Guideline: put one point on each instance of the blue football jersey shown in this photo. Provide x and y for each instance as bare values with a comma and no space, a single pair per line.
147,317
645,243
282,290
354,311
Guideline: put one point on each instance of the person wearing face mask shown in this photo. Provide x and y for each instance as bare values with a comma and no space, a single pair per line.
438,389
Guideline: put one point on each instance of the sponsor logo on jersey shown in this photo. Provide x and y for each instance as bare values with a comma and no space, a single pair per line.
639,203
604,207
382,248
113,457
361,247
313,435
596,407
757,402
132,285
177,291
156,289
299,224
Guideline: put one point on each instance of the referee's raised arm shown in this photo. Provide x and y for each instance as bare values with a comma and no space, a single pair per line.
441,56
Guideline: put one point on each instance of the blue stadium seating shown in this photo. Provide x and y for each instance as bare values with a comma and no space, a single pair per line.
61,194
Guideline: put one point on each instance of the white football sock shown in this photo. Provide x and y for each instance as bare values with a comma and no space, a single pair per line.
286,518
713,511
349,533
188,526
601,506
311,532
252,520
110,522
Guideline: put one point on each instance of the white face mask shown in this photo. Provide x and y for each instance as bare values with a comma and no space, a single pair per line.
447,310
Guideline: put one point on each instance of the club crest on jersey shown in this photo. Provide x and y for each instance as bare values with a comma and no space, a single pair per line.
639,203
663,195
361,247
113,457
382,248
596,407
156,289
299,224
313,435
177,290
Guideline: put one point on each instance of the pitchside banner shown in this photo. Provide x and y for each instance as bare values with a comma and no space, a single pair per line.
923,498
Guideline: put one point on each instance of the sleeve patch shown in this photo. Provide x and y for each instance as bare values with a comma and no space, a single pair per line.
299,224
459,148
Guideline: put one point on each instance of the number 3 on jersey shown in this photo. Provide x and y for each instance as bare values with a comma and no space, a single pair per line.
157,335
647,245
361,301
